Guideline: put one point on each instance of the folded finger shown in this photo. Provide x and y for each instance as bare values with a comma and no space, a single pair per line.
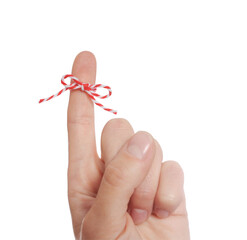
170,192
141,202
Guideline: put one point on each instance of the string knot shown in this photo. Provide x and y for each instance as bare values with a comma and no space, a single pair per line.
88,88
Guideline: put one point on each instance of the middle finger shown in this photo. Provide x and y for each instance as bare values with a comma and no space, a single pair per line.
141,202
115,134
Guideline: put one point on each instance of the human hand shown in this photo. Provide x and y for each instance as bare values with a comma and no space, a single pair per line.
129,175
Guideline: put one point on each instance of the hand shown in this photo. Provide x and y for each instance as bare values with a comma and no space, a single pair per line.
128,193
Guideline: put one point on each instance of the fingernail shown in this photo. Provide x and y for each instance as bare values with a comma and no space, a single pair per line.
139,144
161,213
138,215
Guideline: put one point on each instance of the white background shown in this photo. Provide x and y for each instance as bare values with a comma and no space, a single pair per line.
177,69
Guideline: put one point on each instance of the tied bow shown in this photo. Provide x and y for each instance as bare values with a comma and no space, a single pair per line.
90,89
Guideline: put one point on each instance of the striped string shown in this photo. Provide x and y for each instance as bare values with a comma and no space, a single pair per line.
90,89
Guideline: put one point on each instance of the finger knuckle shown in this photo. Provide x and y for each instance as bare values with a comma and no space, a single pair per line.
169,202
174,167
114,176
146,194
79,119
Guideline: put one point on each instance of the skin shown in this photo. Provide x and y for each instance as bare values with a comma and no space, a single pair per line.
103,191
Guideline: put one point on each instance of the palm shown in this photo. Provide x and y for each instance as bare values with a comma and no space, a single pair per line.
175,227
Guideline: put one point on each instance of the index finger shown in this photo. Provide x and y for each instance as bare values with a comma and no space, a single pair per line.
81,129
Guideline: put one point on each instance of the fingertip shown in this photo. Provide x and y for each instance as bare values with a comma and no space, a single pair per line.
84,67
173,167
116,124
161,213
141,146
139,215
81,56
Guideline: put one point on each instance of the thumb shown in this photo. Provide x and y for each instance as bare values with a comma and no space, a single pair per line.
122,175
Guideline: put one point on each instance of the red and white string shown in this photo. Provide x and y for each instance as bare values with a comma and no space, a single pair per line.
90,89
